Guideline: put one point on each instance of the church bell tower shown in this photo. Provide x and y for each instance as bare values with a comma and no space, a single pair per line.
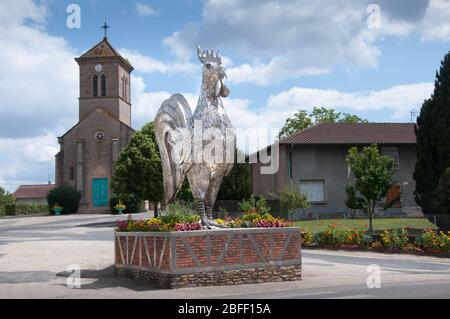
89,149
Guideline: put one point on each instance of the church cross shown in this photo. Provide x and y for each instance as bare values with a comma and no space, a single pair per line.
106,27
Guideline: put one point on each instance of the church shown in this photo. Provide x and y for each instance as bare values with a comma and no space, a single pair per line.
89,149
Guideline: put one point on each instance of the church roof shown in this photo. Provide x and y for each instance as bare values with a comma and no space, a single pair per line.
33,191
103,49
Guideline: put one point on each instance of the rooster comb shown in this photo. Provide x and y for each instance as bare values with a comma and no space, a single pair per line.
207,57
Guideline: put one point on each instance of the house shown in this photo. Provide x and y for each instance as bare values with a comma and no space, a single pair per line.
32,194
314,160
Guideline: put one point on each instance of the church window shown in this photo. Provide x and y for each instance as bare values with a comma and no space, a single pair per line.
103,85
99,136
95,86
125,87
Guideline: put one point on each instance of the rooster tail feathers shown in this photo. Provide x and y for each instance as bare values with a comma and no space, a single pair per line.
173,117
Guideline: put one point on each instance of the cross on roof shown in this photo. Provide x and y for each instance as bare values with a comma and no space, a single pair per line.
106,27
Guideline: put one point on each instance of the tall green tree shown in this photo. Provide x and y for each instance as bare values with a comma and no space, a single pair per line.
237,185
324,115
441,201
138,171
5,197
351,118
302,120
373,178
433,140
299,121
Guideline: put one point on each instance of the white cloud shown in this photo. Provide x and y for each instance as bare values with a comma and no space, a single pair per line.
296,38
27,160
436,24
38,82
145,10
39,90
396,101
147,64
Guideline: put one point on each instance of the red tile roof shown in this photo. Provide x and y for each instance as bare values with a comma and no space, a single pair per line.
33,191
357,133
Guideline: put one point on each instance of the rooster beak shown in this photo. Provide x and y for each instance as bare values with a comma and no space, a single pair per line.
222,74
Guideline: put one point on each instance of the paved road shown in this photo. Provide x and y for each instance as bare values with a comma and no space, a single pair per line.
35,253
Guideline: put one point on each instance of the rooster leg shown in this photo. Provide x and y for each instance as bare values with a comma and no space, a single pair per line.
200,204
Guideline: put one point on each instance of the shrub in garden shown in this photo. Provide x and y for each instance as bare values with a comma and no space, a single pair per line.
291,199
171,219
429,240
255,205
181,207
395,238
308,238
67,197
335,236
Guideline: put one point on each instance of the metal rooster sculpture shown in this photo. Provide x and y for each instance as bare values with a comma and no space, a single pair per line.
197,145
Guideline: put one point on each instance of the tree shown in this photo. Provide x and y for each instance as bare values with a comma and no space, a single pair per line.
352,201
138,171
302,120
237,185
65,196
441,200
433,140
324,115
5,197
291,199
350,118
373,178
299,121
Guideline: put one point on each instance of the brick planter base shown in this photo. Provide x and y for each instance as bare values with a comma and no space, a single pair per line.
205,258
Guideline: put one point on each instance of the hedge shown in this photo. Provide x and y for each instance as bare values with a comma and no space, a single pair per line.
25,209
2,210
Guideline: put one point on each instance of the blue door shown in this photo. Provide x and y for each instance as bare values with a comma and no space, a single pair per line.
100,192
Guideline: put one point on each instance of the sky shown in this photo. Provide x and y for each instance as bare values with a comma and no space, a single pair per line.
375,59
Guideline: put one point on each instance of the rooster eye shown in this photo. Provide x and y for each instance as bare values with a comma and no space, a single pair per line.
208,66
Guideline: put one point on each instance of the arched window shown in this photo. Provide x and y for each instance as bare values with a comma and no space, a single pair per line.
125,87
95,85
103,85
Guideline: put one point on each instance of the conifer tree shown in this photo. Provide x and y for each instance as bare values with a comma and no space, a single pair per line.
433,140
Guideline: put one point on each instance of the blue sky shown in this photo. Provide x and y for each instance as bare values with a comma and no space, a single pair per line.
281,56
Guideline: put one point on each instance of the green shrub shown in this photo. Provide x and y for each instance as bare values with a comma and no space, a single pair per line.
132,203
181,207
67,197
10,209
395,238
255,204
2,210
171,219
24,209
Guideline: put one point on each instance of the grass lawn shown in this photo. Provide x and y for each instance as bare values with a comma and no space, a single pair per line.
362,224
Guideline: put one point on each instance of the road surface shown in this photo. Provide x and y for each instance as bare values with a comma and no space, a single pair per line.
35,253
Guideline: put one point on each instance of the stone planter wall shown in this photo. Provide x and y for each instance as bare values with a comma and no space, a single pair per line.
215,257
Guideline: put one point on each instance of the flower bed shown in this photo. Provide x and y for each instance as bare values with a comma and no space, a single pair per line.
183,222
393,241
